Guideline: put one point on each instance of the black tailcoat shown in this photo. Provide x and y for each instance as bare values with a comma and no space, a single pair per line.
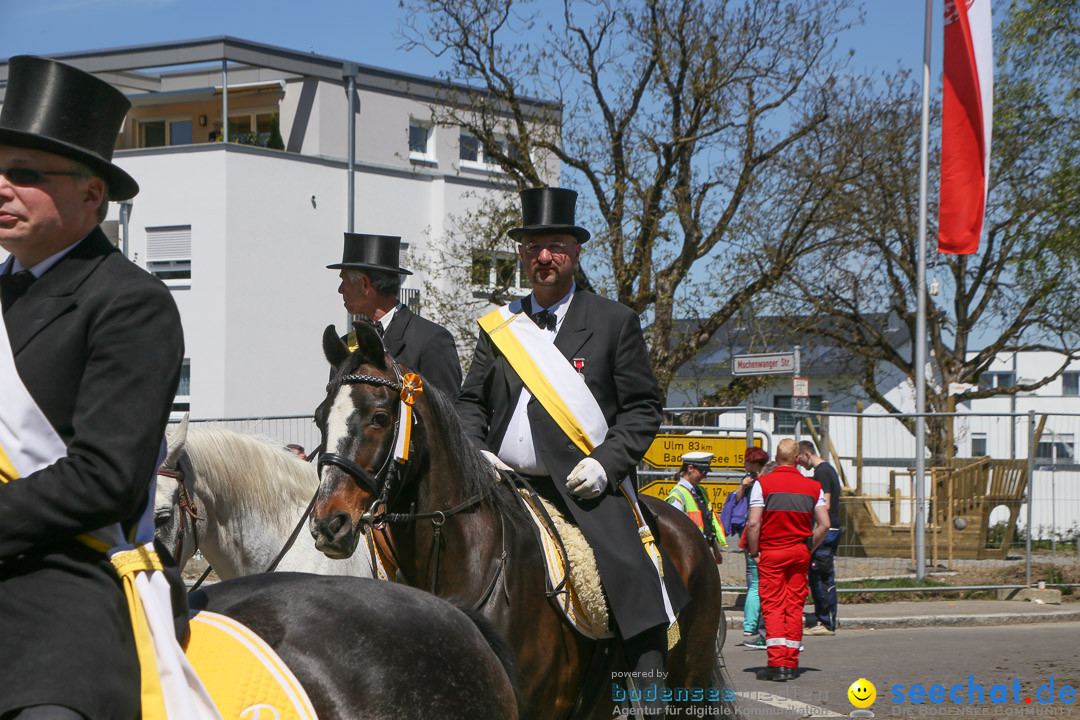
607,336
422,346
98,344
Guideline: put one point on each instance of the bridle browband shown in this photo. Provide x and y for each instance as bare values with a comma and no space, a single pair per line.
377,516
376,483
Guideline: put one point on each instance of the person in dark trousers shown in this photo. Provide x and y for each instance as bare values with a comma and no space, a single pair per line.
787,522
91,351
822,565
370,280
568,353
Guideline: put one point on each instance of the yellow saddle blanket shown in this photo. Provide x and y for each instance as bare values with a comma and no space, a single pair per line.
244,676
582,602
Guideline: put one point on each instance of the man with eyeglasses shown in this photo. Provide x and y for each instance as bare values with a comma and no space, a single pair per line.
90,354
561,390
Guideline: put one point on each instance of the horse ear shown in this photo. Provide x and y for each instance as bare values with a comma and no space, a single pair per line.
175,441
335,350
370,345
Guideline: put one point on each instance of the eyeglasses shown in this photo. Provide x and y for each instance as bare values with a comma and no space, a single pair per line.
28,177
558,248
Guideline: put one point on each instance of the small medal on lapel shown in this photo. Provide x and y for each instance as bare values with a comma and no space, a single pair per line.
579,365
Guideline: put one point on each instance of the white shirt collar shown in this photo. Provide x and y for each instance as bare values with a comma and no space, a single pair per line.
559,308
39,269
384,321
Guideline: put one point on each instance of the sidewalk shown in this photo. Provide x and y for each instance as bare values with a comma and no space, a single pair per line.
937,613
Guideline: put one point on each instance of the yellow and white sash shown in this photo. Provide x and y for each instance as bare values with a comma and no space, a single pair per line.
28,443
555,383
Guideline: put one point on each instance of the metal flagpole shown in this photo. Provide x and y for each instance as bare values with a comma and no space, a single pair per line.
920,322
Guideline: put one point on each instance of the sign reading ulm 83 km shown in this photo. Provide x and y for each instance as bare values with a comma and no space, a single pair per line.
666,451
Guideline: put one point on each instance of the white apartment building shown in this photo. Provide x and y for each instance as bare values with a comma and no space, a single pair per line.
242,232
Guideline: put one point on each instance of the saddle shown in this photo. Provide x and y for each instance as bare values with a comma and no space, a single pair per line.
245,678
572,577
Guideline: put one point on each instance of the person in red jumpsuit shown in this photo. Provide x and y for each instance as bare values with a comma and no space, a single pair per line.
787,520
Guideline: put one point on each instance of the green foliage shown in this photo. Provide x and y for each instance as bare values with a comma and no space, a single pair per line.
275,142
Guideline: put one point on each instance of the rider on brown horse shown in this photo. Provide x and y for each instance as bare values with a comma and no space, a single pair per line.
563,393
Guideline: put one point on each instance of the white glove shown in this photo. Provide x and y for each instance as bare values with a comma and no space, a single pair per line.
496,462
588,479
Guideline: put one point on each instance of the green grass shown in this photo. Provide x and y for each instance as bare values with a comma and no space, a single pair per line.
881,597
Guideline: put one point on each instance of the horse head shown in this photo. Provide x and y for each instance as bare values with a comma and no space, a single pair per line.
171,525
359,422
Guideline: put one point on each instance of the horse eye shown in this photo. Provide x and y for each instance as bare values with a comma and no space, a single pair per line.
162,519
380,419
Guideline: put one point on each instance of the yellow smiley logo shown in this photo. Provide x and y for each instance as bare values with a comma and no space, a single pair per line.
862,693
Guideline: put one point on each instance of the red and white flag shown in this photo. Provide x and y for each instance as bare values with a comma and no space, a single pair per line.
967,114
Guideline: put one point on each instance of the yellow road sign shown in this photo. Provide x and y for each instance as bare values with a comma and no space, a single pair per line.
666,451
716,490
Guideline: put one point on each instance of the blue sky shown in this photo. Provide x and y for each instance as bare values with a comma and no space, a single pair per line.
364,31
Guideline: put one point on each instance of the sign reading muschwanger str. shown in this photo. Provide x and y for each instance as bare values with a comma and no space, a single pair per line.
763,364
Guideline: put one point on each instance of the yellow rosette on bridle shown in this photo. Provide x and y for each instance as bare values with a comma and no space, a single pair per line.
412,386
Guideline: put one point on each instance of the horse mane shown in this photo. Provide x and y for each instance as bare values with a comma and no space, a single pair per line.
477,477
256,471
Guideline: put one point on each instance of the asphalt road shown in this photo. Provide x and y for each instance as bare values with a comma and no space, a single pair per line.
908,657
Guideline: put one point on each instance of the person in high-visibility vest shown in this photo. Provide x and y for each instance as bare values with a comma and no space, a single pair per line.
688,496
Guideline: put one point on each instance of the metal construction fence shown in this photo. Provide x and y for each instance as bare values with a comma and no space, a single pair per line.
283,430
978,523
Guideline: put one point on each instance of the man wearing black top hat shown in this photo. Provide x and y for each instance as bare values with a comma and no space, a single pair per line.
370,280
96,345
601,341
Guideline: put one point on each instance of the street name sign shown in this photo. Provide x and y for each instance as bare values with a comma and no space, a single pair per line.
763,364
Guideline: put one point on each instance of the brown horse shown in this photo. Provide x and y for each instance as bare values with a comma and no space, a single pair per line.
459,531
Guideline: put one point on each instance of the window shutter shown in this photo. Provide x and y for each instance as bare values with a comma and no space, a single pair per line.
168,243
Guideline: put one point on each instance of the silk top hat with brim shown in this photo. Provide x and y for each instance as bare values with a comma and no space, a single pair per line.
371,252
548,211
54,107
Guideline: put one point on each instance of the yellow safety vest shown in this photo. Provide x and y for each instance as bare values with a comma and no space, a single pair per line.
690,507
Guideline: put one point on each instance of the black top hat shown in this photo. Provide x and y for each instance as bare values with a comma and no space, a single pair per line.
371,252
546,211
54,107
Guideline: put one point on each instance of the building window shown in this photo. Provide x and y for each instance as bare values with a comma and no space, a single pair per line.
1070,383
469,148
168,253
410,298
160,133
784,423
1058,448
182,402
990,380
421,141
251,128
978,444
471,152
493,271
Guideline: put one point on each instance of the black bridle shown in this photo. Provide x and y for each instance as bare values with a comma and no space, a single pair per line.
379,483
376,483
